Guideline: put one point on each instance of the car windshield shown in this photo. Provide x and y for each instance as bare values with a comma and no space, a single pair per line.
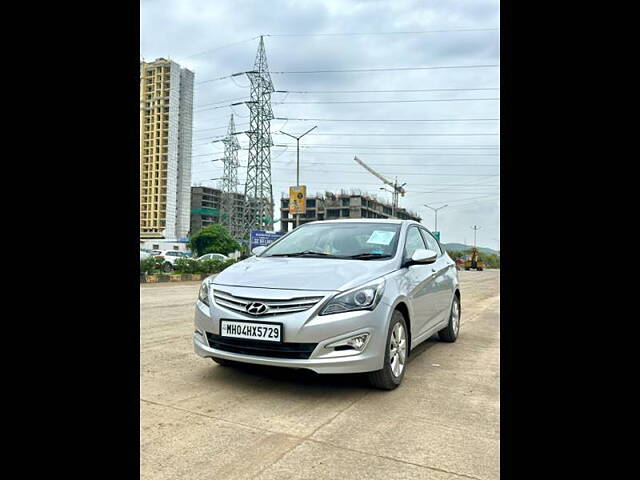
364,241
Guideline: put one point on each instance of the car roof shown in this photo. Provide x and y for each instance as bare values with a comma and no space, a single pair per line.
365,220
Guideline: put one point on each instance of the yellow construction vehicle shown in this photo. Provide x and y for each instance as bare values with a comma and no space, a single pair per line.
474,262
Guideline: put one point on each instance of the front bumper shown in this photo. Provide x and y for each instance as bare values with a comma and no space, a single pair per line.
303,327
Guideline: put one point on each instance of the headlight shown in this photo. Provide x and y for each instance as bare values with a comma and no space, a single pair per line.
365,297
203,294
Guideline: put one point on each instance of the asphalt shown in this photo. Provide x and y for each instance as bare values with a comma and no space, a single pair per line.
203,421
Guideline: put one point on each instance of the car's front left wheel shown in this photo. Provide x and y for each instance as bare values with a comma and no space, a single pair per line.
395,357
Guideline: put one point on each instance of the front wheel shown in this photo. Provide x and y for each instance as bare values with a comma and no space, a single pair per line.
395,356
166,267
451,331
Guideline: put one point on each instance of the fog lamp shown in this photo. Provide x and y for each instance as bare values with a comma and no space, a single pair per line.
357,342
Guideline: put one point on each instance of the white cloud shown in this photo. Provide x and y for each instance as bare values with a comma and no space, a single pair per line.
182,28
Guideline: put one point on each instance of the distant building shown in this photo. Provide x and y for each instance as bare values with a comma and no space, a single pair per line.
205,206
166,111
331,206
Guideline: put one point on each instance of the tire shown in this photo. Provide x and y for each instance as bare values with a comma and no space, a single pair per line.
480,269
221,361
167,267
452,330
386,379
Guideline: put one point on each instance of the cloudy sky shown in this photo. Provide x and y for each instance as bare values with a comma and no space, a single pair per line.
454,160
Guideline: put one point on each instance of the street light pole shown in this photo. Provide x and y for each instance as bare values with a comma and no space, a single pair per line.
475,229
297,163
436,212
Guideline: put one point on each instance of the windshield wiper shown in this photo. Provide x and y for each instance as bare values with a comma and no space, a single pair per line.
368,256
302,254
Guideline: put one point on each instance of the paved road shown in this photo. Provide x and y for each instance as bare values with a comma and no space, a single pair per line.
202,421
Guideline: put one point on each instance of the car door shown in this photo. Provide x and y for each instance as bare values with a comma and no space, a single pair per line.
443,280
420,285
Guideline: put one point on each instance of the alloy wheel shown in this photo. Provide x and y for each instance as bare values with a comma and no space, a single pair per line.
397,349
455,317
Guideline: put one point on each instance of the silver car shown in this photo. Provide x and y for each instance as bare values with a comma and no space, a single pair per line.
341,296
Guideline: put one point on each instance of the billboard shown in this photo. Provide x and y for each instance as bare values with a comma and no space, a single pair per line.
262,238
298,199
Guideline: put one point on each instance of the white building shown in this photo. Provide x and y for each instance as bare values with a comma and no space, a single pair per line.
166,123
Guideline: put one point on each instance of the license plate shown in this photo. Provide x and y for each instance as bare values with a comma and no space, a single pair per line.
271,332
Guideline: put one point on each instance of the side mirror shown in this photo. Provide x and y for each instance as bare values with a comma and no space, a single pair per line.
423,257
258,250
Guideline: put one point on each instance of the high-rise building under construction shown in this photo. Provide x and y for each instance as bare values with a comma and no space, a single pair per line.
166,121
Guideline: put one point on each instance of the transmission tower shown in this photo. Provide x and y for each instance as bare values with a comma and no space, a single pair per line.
258,191
229,214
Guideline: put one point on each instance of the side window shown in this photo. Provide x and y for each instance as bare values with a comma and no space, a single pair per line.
432,243
414,241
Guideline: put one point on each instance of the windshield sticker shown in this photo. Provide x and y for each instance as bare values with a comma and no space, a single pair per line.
381,237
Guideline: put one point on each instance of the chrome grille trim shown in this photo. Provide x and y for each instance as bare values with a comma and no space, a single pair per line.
276,306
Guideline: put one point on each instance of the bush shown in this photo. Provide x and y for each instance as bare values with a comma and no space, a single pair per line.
150,266
209,266
187,265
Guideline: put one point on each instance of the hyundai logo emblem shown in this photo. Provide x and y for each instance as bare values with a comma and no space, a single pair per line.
256,308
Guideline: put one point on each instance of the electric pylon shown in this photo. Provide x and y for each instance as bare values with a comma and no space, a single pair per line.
258,192
229,214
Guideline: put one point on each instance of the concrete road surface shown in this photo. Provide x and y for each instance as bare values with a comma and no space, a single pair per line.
202,421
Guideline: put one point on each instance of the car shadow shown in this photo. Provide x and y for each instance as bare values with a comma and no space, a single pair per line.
423,347
252,374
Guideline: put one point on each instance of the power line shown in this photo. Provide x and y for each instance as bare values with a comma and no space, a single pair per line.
343,34
397,146
364,120
375,134
218,48
384,69
389,91
403,154
392,101
222,101
412,154
414,164
387,69
388,119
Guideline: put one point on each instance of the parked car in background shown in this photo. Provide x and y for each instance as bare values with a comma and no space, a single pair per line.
169,258
210,256
144,254
337,296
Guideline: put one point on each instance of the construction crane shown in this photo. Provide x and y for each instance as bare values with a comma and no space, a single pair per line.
397,189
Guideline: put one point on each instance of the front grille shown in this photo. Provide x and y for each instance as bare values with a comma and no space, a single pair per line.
274,306
261,348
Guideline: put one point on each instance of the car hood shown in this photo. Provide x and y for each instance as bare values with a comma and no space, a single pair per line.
298,273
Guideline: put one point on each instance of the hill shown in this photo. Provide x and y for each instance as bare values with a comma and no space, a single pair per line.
461,246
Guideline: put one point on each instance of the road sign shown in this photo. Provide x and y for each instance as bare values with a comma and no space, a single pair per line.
298,199
262,238
437,235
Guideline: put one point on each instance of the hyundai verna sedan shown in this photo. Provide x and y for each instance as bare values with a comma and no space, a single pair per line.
341,296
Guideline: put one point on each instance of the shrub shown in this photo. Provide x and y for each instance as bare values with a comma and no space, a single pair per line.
187,265
150,266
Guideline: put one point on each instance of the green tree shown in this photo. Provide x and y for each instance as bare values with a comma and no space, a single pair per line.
213,239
